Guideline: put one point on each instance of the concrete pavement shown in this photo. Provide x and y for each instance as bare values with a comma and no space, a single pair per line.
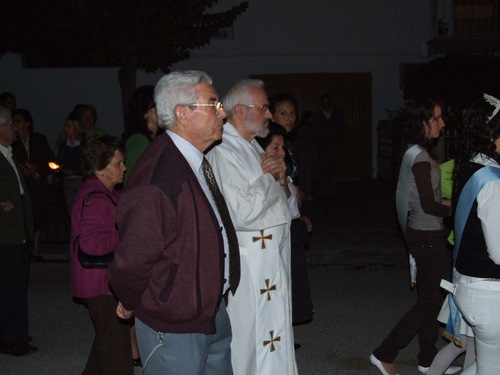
359,280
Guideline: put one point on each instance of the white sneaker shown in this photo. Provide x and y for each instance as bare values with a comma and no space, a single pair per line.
376,362
449,370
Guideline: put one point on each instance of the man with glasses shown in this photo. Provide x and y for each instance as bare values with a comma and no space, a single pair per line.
177,258
16,231
256,191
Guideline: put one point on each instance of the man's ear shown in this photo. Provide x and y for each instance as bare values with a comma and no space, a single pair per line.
181,115
238,110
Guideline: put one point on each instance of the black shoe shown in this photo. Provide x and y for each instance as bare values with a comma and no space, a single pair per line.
18,349
137,362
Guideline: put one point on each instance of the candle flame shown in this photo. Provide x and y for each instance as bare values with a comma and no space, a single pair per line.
54,166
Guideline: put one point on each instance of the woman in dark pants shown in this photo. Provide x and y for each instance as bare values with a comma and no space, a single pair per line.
93,230
284,108
421,211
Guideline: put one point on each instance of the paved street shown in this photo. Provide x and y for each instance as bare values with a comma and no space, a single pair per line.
359,280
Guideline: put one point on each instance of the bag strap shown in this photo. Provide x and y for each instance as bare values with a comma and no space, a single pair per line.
87,197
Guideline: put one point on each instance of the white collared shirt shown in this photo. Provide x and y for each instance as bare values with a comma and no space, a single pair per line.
195,157
7,152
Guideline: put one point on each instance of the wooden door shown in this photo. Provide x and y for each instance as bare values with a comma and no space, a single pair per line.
351,93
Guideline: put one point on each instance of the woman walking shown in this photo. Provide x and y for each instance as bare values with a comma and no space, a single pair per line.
420,212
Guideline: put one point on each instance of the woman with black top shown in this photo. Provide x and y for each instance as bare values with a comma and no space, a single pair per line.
477,222
302,307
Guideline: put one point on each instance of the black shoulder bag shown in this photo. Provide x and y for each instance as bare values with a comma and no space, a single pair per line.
88,260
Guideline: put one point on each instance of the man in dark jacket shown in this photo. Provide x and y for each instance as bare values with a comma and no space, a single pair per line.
171,266
33,153
329,128
16,229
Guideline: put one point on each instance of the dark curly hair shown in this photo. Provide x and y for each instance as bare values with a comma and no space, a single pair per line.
274,100
477,136
25,114
98,153
274,130
414,122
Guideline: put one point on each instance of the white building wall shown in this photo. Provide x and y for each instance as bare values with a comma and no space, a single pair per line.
272,36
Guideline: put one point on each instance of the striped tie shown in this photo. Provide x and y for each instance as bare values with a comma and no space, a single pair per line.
234,252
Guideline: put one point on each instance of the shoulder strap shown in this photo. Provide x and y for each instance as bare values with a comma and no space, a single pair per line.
467,197
87,197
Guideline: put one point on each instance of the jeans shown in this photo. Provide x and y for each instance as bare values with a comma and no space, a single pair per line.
186,353
479,303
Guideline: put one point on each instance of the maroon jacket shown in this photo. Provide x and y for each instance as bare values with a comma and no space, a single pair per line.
169,262
94,224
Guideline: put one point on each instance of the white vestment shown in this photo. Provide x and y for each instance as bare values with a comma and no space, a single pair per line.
260,311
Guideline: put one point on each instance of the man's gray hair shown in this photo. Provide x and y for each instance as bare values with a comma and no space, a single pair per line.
175,89
239,93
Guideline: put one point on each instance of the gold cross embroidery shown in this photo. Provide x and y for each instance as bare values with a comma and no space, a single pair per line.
268,289
272,341
262,238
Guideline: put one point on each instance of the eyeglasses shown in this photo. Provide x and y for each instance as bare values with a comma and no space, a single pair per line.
263,108
218,106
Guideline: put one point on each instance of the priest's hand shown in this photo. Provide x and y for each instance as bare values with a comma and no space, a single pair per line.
274,165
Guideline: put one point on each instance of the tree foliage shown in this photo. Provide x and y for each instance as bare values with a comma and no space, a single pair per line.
155,33
131,34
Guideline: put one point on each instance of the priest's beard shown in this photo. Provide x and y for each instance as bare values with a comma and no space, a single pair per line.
260,129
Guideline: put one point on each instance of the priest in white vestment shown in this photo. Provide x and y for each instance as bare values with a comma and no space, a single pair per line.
256,191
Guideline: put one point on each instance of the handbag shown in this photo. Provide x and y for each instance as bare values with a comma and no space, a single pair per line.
88,260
